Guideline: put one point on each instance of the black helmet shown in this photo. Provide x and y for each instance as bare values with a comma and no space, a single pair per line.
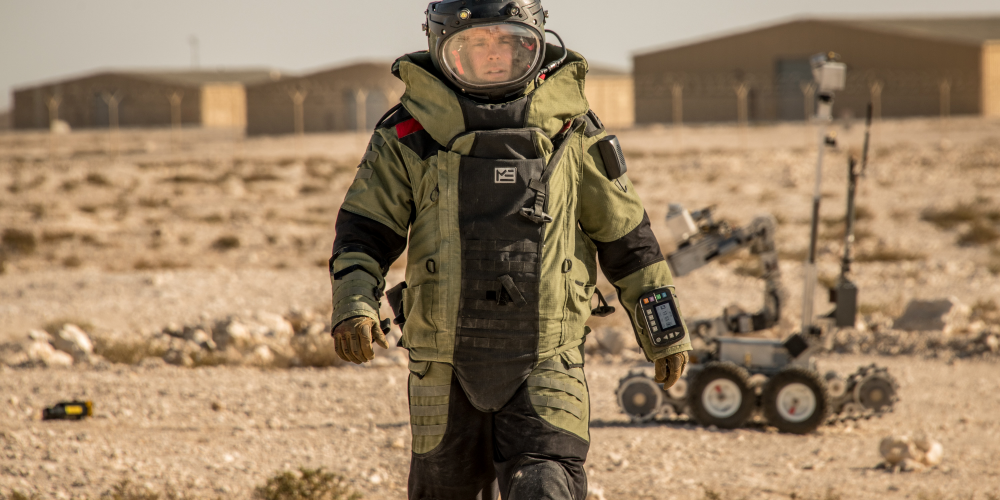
488,49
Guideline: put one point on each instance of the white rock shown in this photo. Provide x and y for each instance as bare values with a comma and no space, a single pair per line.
74,341
44,353
174,330
895,449
41,335
262,356
911,454
203,339
232,333
992,343
932,450
277,326
935,454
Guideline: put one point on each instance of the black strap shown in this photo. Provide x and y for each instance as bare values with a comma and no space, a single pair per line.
512,291
395,298
540,186
602,309
387,115
355,248
348,270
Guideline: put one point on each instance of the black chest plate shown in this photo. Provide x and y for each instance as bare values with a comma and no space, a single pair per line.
497,336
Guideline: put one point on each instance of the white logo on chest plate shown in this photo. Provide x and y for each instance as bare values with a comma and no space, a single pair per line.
505,175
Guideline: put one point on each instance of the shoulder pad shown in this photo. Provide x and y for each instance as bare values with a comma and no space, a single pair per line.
411,133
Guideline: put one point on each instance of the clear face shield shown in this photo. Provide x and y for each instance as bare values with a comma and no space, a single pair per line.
491,56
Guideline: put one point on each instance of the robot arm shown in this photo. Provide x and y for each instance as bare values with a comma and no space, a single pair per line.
701,240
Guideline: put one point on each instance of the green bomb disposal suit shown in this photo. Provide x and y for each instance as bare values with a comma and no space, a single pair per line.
505,207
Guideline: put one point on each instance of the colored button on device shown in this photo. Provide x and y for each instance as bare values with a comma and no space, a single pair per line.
663,324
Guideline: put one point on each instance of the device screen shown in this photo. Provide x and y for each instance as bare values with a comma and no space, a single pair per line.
666,316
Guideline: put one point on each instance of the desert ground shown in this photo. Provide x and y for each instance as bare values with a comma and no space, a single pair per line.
196,264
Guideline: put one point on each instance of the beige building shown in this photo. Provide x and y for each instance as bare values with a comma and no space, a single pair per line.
355,97
905,67
611,95
140,99
351,97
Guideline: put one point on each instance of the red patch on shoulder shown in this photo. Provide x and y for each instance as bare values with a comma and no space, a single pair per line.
408,127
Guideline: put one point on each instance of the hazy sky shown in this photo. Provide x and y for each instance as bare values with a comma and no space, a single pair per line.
42,40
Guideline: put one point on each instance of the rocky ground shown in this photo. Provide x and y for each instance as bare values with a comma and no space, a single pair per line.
221,431
194,266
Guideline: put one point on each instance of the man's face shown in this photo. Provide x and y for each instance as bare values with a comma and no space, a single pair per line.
491,54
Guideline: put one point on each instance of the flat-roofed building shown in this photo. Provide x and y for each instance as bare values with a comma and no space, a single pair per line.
611,95
345,98
905,67
140,99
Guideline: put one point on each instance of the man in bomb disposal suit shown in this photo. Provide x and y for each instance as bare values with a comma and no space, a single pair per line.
508,190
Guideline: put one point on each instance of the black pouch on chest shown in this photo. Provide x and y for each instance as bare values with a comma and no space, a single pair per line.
497,336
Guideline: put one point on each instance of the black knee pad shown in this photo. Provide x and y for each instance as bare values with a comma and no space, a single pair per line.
545,480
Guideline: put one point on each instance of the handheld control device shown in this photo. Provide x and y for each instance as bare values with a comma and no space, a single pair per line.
663,322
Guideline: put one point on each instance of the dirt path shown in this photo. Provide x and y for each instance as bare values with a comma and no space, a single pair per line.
158,426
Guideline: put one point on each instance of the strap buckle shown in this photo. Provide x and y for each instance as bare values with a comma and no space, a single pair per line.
537,213
602,309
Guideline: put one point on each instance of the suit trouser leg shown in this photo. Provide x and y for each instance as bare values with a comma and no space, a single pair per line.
534,459
460,467
480,454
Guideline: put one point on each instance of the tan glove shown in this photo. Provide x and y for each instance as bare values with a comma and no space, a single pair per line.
353,339
669,369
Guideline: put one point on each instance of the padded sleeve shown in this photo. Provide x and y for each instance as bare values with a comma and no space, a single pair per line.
630,257
371,229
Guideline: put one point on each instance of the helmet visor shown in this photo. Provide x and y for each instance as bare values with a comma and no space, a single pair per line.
491,56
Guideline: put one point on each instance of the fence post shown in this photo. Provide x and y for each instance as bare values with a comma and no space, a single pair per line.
808,99
742,90
677,92
112,101
53,105
175,99
298,97
360,109
175,109
945,88
875,88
